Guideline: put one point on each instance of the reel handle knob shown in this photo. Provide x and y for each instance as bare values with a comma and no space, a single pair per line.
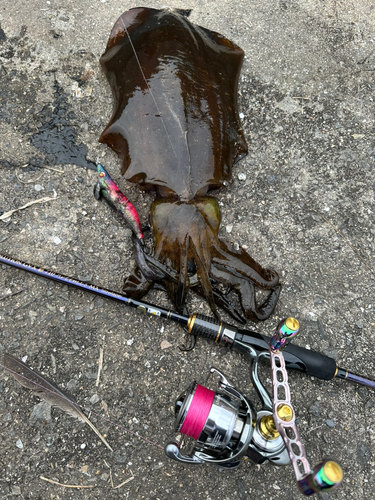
287,329
326,475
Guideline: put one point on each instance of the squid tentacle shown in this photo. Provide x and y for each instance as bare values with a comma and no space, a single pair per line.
229,260
182,278
222,301
204,279
245,288
136,285
150,273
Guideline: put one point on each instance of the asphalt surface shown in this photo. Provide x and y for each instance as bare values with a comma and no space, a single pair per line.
302,202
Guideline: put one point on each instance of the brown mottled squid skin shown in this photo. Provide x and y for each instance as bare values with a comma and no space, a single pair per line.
176,128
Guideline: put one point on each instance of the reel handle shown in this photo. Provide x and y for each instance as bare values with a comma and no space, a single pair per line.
327,474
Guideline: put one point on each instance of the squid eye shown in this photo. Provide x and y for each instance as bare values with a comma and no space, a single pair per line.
102,174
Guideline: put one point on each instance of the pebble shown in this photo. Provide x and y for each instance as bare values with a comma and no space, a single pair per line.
229,229
242,177
41,411
315,409
94,399
83,446
50,440
330,423
72,384
165,344
38,187
56,240
19,444
78,317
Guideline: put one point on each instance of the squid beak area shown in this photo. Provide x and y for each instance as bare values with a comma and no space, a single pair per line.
184,233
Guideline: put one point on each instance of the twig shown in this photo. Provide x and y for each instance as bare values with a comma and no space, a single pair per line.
249,25
110,476
11,294
127,481
66,485
314,428
100,366
41,200
306,98
30,180
346,241
46,167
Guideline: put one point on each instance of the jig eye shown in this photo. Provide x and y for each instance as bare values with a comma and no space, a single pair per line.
102,174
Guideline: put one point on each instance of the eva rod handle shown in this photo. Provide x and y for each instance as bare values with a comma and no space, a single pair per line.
296,358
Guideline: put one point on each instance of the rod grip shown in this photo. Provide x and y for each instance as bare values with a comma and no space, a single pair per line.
296,358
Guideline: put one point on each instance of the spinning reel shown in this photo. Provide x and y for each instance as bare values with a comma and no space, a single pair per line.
227,428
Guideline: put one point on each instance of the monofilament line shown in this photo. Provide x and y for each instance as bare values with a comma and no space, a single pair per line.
148,86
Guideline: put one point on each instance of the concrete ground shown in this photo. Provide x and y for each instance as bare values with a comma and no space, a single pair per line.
303,205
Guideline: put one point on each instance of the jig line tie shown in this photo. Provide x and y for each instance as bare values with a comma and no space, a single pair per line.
92,412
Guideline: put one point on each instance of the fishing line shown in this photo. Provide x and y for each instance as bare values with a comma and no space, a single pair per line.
198,411
88,410
148,86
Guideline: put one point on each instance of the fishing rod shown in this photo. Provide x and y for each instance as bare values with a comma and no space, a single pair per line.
224,424
297,358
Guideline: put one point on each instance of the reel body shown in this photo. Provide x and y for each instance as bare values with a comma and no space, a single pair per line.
227,428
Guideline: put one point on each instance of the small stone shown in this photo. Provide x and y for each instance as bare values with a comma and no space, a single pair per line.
94,399
363,392
242,116
242,177
50,440
359,324
19,444
56,240
129,342
38,187
315,409
78,317
83,446
364,454
165,344
104,477
41,411
229,229
16,490
330,423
